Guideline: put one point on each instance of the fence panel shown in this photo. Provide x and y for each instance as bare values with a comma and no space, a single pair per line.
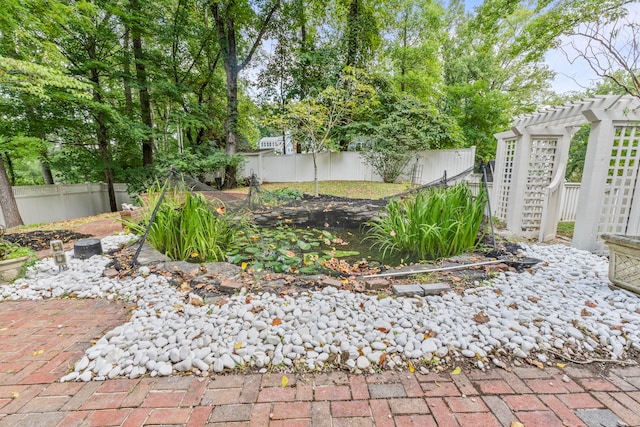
350,166
569,203
50,203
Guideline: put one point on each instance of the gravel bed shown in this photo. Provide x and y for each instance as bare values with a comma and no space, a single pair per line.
563,306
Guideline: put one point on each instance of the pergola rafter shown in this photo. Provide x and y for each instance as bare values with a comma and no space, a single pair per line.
531,161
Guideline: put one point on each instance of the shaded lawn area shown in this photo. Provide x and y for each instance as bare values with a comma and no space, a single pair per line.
351,189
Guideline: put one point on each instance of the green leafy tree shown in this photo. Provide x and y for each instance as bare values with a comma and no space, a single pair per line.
487,81
412,42
230,17
411,126
312,121
23,78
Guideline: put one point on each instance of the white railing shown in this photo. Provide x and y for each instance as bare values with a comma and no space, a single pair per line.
350,166
568,201
49,203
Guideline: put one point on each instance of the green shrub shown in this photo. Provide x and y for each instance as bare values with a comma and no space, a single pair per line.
192,229
440,222
281,195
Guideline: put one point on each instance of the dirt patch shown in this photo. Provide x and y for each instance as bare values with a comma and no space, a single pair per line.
38,240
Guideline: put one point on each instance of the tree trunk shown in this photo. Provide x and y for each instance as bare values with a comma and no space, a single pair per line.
225,27
143,92
352,32
47,176
315,175
126,68
9,170
10,210
403,65
103,139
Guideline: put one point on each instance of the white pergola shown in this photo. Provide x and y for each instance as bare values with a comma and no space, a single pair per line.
530,166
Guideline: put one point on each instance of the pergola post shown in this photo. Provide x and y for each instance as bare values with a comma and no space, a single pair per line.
519,180
593,181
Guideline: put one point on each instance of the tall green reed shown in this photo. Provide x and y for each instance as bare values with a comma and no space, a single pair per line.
187,227
439,222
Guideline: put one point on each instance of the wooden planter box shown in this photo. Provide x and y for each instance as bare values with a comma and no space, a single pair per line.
9,269
624,260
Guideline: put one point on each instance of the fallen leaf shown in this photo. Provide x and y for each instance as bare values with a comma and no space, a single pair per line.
516,424
538,364
533,299
590,304
383,330
456,279
285,381
200,285
430,334
411,368
196,302
437,384
276,321
243,265
383,357
36,353
456,371
15,395
586,312
561,365
480,318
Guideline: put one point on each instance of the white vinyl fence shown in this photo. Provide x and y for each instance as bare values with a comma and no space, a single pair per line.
350,166
49,203
568,202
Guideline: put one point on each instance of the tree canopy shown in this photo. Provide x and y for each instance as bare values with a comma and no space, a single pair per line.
114,90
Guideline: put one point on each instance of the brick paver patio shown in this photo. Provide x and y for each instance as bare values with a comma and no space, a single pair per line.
40,341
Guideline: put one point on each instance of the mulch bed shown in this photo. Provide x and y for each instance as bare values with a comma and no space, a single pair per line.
39,239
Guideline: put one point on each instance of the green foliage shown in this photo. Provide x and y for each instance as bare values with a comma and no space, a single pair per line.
411,126
198,163
577,154
10,250
414,34
189,230
437,223
281,195
285,250
36,80
313,120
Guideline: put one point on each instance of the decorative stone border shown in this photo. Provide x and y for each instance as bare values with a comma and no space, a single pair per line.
9,269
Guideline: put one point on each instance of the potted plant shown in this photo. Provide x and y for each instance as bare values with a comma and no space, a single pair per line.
12,258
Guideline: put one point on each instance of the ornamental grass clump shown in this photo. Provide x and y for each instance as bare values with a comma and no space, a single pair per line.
187,228
440,222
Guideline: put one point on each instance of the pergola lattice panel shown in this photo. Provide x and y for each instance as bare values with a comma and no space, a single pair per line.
621,181
541,164
507,175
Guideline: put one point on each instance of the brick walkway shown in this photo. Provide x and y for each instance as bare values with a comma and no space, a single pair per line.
40,341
